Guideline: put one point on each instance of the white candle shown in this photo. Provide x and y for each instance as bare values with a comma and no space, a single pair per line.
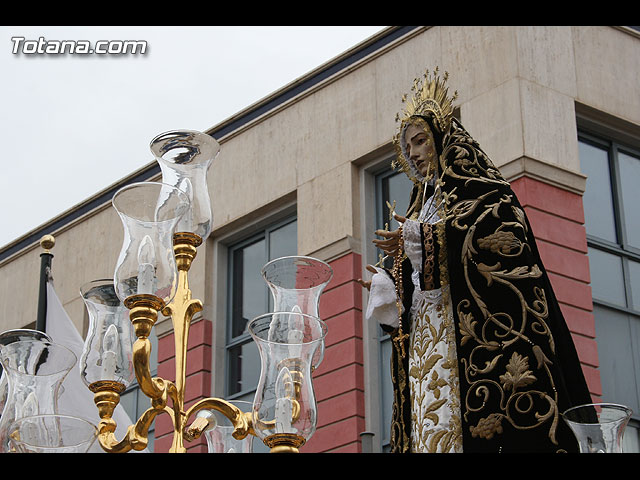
284,405
109,355
295,333
146,269
186,222
30,405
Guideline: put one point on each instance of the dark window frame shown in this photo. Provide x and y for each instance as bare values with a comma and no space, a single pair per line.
384,340
607,141
244,338
621,247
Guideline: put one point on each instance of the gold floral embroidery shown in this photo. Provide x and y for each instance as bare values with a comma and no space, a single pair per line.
494,228
436,425
518,373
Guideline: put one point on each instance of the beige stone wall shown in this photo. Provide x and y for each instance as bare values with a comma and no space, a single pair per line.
517,85
607,70
517,89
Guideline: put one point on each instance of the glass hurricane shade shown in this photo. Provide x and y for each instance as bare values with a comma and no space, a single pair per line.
296,283
149,212
16,335
35,371
10,336
184,157
52,433
285,402
108,347
598,427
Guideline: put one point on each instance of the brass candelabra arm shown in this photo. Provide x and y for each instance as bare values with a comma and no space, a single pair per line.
138,434
143,312
157,389
106,398
240,420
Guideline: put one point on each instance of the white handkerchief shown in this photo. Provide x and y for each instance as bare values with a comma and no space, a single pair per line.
382,300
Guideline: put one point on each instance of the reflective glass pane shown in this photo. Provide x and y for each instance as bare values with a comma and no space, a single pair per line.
618,337
630,181
607,281
153,357
129,402
597,199
396,188
634,280
250,297
249,294
244,368
283,241
631,438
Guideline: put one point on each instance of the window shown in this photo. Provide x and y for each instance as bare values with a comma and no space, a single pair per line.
390,186
613,237
248,297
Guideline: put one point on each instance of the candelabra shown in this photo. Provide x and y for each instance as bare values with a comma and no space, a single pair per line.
164,224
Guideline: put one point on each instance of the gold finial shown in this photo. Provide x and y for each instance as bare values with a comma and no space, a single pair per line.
47,242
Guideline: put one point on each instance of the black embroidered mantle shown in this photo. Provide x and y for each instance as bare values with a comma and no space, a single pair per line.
518,366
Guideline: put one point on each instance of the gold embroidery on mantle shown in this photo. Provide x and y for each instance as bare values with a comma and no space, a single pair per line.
503,363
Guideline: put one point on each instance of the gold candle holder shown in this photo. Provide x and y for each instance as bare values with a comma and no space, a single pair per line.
151,212
143,313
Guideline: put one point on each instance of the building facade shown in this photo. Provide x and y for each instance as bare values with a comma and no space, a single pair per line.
307,171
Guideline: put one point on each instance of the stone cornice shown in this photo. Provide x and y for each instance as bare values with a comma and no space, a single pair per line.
544,172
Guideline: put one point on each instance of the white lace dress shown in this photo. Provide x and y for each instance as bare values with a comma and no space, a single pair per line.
433,367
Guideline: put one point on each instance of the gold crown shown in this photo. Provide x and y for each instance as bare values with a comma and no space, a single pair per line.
430,95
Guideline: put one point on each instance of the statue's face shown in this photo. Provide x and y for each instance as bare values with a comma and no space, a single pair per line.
421,148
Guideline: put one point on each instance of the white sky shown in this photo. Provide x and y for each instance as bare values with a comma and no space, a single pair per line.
72,125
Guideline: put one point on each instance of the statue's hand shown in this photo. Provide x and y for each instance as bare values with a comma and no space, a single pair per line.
365,284
391,243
